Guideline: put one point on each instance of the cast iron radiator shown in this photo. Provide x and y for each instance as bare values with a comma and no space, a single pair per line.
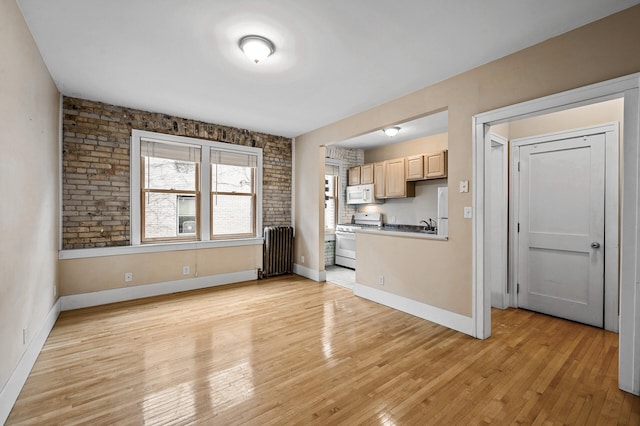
277,254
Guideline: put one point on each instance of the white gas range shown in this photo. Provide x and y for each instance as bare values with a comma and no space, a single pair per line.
346,237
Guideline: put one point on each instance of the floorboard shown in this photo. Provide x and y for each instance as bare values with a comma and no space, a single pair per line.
292,351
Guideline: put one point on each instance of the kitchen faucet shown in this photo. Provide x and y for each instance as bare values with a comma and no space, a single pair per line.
431,226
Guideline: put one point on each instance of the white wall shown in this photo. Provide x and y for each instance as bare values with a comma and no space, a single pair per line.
29,188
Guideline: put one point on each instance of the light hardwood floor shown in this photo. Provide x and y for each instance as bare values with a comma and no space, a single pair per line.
292,351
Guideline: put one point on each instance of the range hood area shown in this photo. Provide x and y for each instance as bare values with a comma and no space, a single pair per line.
362,194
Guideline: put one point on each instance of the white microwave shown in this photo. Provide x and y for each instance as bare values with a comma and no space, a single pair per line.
362,194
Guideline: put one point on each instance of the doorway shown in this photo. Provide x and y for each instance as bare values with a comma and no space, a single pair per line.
564,196
585,121
628,89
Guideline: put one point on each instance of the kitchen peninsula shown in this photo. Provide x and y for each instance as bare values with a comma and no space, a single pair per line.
387,273
403,233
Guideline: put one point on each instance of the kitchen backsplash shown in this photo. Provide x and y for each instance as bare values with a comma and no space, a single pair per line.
410,211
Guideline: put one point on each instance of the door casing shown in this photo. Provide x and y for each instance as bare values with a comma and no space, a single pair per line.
497,214
627,87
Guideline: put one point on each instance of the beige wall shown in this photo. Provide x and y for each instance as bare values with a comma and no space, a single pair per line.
29,218
404,275
586,116
107,272
599,51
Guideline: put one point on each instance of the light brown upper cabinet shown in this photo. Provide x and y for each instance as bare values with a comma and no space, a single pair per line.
415,167
435,165
366,174
432,165
354,175
396,185
378,180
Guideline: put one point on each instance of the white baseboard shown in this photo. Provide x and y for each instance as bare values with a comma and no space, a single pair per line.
312,274
84,300
440,316
12,388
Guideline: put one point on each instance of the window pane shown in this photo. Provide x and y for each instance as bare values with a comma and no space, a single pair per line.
330,205
225,178
232,214
329,214
186,214
162,215
161,173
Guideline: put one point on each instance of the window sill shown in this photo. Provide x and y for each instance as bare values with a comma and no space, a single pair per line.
155,248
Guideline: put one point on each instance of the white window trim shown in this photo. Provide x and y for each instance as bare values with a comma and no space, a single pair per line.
340,165
205,184
156,248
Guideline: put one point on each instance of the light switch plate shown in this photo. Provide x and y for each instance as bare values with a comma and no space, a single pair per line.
468,212
464,186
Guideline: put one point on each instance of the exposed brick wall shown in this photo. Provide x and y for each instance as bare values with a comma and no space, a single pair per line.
96,140
350,158
329,253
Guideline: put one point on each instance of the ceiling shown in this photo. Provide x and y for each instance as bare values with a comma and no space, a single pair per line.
333,58
419,128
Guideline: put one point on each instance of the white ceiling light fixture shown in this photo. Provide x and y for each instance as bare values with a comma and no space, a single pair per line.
391,131
256,48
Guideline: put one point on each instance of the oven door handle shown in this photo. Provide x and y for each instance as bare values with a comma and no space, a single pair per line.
345,233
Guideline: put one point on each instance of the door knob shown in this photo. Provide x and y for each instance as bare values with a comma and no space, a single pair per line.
595,245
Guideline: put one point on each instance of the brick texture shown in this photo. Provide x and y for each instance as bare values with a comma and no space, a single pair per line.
349,158
96,194
329,253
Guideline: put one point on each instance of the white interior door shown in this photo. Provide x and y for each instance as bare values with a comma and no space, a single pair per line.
561,228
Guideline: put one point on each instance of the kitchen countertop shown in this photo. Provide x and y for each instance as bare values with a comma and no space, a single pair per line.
407,231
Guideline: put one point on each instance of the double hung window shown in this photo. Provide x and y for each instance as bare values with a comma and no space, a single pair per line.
233,194
170,191
331,191
186,189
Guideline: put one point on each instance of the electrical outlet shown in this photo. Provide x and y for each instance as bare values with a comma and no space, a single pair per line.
468,212
464,186
128,277
186,270
302,259
380,279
